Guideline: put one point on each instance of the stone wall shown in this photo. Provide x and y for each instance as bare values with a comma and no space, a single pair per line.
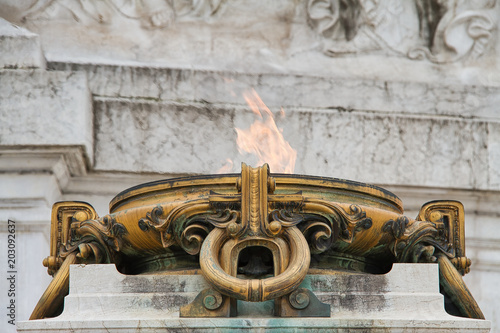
97,96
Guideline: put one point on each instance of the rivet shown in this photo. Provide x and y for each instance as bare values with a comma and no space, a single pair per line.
212,301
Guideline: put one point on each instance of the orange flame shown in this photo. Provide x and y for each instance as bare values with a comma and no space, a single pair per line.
264,139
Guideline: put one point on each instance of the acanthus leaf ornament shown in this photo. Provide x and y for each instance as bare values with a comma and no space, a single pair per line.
347,222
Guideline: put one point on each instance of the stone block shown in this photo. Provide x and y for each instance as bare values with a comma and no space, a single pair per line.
290,90
45,109
150,136
20,47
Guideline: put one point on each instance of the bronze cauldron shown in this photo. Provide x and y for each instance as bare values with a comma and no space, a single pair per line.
255,236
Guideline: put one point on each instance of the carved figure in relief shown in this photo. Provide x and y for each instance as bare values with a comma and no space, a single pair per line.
151,14
438,30
454,30
441,31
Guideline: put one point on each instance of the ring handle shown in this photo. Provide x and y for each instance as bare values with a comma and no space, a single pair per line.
255,290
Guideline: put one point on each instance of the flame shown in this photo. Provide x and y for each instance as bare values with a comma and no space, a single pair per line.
264,139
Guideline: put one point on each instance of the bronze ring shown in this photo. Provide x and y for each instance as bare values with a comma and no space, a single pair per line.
255,290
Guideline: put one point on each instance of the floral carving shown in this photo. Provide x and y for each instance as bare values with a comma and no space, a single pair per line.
186,225
189,231
198,227
397,229
154,220
332,223
349,222
286,218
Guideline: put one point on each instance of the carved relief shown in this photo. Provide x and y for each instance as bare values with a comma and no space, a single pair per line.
454,37
154,14
440,31
189,224
434,30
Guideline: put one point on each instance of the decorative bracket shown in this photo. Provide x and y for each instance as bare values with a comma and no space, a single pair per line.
78,235
449,218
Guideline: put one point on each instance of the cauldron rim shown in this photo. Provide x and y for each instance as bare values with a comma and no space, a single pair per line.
136,191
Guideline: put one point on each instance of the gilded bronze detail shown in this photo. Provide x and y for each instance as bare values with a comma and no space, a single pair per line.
78,236
306,225
252,227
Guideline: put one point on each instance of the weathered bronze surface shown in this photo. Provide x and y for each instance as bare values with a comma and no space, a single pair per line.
284,226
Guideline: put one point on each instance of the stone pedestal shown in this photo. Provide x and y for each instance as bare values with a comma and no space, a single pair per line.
407,299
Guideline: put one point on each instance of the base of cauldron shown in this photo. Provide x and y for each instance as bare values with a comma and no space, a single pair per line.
406,299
